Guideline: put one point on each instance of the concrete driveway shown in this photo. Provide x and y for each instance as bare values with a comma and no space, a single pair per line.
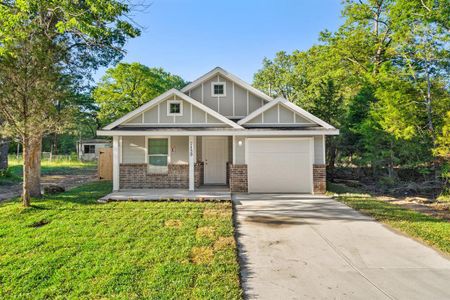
297,247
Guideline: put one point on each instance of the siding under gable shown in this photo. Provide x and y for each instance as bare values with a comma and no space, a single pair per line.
279,115
237,102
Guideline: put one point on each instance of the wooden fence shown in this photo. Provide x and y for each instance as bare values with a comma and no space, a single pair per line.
105,171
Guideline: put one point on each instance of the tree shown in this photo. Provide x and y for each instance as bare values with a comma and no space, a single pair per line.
127,86
47,48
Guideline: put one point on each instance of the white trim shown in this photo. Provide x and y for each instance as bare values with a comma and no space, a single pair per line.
172,124
191,154
248,104
159,112
224,83
169,149
278,113
234,150
288,105
234,106
311,149
163,97
121,149
223,132
116,163
229,76
324,151
202,94
169,102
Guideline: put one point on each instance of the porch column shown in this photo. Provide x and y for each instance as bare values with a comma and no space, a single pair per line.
116,163
192,152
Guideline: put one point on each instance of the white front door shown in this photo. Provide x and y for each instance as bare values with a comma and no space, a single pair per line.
215,154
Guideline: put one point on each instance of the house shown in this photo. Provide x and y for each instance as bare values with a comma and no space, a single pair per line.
219,130
89,149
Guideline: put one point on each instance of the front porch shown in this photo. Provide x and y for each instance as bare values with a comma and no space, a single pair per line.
177,165
205,193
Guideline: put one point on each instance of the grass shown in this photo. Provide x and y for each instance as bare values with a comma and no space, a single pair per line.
430,230
69,246
48,167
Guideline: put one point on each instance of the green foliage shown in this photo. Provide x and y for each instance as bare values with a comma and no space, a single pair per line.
128,86
70,246
384,74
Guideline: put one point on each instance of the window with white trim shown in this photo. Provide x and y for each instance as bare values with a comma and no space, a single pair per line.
218,89
174,108
158,155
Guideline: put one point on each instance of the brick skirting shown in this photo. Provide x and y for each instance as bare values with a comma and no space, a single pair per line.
238,178
135,176
320,178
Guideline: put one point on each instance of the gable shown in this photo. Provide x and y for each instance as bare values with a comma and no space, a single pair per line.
156,113
282,113
240,98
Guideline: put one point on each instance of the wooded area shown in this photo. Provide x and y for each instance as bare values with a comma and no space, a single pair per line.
383,79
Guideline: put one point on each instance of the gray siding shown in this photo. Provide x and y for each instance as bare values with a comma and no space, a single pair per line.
179,150
319,148
237,102
198,116
279,115
133,149
239,150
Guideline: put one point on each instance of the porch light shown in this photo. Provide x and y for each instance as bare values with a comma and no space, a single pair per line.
240,143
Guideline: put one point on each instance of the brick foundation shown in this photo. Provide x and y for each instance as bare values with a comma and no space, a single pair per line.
199,174
238,178
135,176
320,178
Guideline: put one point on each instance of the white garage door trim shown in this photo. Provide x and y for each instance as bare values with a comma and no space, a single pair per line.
311,156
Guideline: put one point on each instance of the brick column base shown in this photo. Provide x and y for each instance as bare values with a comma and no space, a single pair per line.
198,174
238,178
320,178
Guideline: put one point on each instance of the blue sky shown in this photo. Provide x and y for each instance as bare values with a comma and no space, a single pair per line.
189,38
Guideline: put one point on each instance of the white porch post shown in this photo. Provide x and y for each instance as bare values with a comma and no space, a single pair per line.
192,152
116,163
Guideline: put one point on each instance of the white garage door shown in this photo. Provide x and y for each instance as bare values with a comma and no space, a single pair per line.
280,165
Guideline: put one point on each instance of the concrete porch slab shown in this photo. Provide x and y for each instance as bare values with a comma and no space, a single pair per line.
167,195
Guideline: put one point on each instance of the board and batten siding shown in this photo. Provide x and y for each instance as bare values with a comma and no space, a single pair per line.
191,116
279,115
238,102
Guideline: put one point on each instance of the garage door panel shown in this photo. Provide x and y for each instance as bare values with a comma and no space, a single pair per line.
279,166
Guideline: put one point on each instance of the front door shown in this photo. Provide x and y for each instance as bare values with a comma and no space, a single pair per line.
215,154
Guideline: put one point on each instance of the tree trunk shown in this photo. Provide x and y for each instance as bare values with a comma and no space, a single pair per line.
4,147
331,148
31,169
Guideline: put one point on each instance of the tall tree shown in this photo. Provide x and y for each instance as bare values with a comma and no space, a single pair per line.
47,48
128,86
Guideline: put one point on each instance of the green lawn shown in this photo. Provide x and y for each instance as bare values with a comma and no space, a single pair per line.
432,231
69,246
53,167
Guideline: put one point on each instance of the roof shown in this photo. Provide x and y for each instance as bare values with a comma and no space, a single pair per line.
228,75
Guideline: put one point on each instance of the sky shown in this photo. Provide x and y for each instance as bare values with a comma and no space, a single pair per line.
189,38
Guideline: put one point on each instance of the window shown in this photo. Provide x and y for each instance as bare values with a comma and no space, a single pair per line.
174,108
89,149
158,155
218,88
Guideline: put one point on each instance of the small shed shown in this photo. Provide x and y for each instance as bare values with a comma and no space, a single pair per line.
89,149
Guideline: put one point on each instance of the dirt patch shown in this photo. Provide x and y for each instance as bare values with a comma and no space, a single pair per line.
173,223
224,243
206,231
213,213
66,181
39,223
202,255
